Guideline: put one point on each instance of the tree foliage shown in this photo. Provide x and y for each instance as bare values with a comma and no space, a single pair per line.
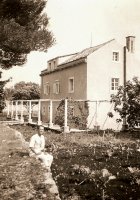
127,102
8,92
2,95
23,91
24,28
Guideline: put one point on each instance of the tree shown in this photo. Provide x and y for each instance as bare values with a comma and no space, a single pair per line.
23,28
23,91
127,102
8,92
2,97
2,94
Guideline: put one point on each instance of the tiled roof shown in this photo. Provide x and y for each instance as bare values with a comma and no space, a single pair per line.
84,53
61,56
75,58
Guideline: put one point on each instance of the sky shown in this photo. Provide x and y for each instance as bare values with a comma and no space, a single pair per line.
79,24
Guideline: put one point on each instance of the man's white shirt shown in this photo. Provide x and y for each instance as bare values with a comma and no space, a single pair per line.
37,142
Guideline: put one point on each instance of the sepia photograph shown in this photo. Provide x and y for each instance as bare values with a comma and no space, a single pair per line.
70,99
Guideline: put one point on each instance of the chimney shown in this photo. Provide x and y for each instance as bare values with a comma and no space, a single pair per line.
130,43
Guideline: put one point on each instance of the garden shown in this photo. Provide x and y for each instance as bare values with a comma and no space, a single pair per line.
103,165
93,165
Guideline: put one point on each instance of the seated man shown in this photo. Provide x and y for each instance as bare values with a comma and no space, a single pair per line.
37,148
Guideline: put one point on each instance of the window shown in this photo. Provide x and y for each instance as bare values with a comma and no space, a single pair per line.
115,56
71,85
43,110
54,62
50,65
114,83
56,87
47,89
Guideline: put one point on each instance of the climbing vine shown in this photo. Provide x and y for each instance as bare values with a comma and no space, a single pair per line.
78,112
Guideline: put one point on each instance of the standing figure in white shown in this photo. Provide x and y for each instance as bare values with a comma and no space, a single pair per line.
37,148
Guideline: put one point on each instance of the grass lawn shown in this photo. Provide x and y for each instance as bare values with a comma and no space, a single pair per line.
92,166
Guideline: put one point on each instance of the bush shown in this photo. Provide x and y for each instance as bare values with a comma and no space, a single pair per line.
127,102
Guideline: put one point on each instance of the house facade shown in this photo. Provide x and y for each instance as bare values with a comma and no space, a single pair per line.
92,75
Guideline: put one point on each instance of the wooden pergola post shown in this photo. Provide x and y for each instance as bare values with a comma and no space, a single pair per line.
30,112
21,117
66,127
39,113
16,109
12,109
51,115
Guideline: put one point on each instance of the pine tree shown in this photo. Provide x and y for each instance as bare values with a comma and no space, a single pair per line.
23,28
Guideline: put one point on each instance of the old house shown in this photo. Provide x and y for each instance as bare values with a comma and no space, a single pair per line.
93,74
